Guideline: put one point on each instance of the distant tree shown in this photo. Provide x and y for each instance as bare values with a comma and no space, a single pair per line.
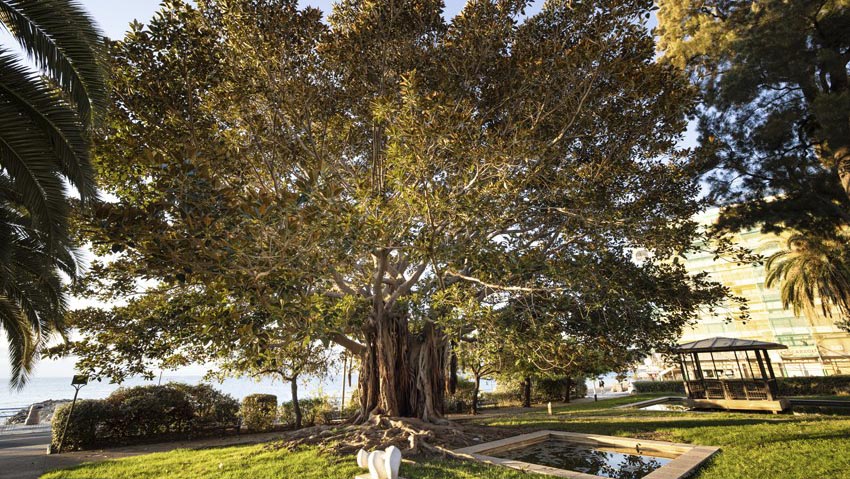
45,121
774,126
378,162
809,271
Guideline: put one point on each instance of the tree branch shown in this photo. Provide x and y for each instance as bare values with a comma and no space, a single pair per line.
348,343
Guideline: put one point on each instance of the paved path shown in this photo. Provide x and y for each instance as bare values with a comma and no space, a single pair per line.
24,456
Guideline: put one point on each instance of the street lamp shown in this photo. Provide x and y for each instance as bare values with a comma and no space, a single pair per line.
78,381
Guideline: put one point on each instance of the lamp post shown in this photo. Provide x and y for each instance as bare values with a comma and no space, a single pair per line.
78,381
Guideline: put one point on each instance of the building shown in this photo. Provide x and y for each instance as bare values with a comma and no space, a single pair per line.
816,347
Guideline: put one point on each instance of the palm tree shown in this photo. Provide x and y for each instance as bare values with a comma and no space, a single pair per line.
46,116
811,269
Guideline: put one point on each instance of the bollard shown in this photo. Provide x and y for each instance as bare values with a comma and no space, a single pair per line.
33,417
550,408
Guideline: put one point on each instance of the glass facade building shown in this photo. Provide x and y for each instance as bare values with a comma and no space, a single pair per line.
816,347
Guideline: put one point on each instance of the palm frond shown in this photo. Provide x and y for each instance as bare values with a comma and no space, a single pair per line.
34,105
63,41
811,270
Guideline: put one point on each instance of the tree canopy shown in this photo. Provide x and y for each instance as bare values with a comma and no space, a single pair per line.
371,176
774,126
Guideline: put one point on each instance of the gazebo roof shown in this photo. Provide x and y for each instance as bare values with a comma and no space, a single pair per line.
716,345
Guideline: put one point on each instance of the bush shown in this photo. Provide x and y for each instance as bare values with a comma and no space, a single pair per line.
151,411
461,400
89,424
673,387
211,408
815,386
143,413
803,386
259,412
548,389
314,411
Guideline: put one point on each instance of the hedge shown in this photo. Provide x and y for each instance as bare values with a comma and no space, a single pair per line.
673,387
797,386
145,413
315,411
815,386
259,412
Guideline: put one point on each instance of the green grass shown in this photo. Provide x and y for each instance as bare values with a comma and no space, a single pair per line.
261,462
753,446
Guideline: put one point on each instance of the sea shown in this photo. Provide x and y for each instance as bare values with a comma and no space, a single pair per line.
40,389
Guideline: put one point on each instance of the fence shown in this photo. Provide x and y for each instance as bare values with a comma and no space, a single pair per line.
8,413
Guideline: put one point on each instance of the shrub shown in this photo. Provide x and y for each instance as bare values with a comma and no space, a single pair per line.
461,400
815,386
259,411
802,386
314,411
144,412
211,408
89,424
549,389
673,387
151,410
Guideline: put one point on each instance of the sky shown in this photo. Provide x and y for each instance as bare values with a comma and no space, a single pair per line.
113,18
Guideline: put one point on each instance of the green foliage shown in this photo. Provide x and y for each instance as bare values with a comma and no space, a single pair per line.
151,410
388,169
554,389
314,411
802,386
259,412
809,270
145,413
461,400
774,127
210,407
815,386
674,387
90,424
45,123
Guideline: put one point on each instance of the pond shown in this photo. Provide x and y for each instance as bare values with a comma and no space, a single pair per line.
605,461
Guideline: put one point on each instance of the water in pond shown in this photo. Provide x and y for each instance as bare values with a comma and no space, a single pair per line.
613,462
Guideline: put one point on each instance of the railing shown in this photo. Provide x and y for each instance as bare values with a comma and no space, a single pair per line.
8,413
738,389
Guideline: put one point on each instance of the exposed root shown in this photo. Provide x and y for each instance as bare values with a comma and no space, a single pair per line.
412,436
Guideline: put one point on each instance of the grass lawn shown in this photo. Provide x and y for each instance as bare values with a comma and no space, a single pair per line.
753,446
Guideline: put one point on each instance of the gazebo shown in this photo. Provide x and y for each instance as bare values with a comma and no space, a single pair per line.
728,373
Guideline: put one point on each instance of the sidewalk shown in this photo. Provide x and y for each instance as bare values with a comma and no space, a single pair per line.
24,456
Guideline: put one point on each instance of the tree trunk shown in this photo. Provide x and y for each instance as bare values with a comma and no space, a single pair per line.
569,388
526,392
842,160
296,408
401,374
475,390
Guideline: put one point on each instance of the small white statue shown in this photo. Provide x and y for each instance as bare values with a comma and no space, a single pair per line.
381,464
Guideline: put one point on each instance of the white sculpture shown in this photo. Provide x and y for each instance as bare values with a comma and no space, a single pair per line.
381,464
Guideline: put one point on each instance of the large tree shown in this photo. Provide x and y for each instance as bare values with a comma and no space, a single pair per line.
389,165
45,117
775,127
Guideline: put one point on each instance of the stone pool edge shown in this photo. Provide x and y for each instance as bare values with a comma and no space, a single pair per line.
689,460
